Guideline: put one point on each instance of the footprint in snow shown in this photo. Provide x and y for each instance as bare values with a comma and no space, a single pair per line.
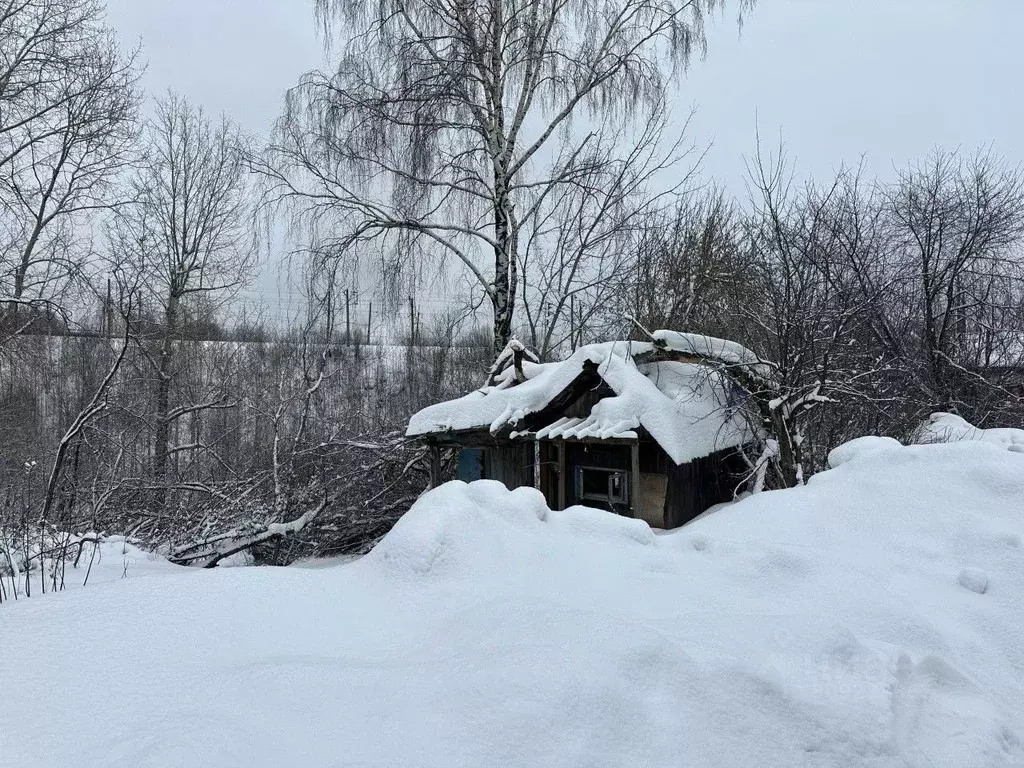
974,580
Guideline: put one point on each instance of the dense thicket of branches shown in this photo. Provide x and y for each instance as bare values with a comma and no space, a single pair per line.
299,426
68,103
876,302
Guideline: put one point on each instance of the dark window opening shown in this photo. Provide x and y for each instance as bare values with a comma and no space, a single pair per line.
471,464
609,486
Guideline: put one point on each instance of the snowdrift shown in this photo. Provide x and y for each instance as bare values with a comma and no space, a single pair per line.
950,428
871,618
102,559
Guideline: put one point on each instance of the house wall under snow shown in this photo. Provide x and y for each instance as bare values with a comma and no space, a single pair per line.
635,429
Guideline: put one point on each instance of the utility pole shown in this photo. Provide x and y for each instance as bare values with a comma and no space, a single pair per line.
330,316
348,320
108,315
572,323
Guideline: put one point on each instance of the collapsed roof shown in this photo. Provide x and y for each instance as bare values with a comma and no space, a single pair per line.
690,409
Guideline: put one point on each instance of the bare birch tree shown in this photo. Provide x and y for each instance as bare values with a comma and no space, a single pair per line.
580,241
448,124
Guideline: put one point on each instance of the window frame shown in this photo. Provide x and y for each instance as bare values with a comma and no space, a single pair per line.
609,497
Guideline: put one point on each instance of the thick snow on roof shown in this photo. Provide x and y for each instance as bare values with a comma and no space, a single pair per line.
683,406
729,352
506,403
871,619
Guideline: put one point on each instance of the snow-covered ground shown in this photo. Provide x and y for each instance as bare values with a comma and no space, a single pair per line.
950,428
872,618
102,559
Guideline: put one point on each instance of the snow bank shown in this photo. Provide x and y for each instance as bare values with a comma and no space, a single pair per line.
476,527
102,559
950,428
871,618
860,446
461,526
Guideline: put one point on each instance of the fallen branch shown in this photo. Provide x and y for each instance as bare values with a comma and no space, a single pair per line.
208,553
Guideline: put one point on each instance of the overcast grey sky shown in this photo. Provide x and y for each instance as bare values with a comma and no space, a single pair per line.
889,79
886,79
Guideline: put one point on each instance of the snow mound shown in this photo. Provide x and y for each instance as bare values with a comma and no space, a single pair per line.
860,446
950,428
598,525
463,528
870,618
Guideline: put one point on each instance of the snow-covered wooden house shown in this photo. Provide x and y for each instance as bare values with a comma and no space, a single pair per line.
644,429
